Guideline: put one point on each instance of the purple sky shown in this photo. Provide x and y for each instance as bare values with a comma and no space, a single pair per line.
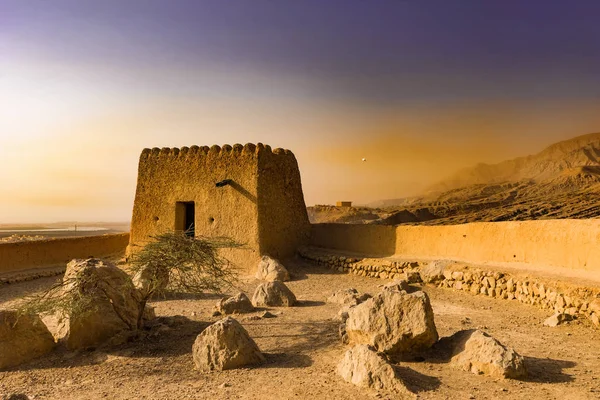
483,80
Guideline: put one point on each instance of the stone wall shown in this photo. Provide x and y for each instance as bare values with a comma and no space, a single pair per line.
17,257
555,296
363,266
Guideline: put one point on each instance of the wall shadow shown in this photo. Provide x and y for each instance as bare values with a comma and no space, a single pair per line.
367,239
243,191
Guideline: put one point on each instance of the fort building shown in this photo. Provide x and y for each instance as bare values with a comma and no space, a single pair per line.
249,193
343,204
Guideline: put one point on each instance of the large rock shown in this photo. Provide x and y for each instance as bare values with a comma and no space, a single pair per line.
345,297
270,269
363,367
557,319
22,338
151,279
397,286
393,322
225,345
113,303
237,304
433,271
273,294
476,351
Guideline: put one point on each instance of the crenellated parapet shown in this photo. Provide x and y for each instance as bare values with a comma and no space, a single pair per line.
249,149
261,204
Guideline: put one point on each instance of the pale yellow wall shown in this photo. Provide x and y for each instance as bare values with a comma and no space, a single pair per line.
168,176
564,243
262,208
20,256
368,239
283,219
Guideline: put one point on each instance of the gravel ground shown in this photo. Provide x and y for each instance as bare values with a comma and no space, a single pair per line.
302,350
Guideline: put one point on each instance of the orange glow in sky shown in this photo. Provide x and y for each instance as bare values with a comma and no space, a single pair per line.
81,97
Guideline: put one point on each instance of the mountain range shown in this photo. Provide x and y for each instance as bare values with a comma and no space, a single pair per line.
561,181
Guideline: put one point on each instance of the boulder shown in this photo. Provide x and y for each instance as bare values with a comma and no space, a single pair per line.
595,319
413,277
113,304
273,294
345,297
22,338
476,351
237,304
270,269
151,279
225,345
594,306
363,367
557,319
342,315
433,271
398,286
395,323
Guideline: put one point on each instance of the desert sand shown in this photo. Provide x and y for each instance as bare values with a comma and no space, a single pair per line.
302,349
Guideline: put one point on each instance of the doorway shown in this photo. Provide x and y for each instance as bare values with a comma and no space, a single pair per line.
185,217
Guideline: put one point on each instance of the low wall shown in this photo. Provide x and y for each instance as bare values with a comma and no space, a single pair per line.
30,255
571,300
374,240
573,244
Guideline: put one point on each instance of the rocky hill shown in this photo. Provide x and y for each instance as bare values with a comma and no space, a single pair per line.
562,181
566,157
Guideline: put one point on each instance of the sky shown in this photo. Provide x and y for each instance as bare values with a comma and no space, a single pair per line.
418,88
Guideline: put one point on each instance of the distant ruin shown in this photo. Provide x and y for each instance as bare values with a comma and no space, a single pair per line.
250,193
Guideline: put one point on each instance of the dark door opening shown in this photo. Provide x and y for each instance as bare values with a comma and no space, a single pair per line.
185,217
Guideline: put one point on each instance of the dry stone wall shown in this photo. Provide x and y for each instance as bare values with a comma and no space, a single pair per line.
362,266
555,296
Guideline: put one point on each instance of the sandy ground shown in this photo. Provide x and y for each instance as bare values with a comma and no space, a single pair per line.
303,349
